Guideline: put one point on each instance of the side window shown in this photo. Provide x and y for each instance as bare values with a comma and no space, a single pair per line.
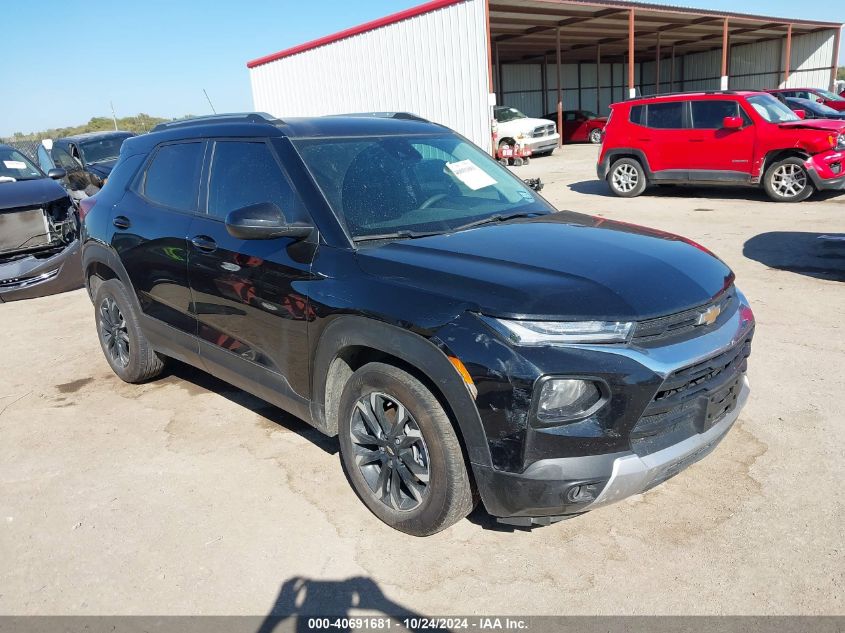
245,173
666,115
812,96
568,116
172,179
64,160
44,160
708,115
638,115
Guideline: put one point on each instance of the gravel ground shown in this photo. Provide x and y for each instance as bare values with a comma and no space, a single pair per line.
185,496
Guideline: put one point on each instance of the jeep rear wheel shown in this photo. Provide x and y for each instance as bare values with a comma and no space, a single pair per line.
788,181
627,178
400,451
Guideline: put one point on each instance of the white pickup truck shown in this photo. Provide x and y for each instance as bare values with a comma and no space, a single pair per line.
540,135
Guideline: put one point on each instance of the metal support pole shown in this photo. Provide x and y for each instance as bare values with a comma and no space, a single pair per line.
657,66
835,59
559,93
724,81
632,90
598,79
787,55
672,70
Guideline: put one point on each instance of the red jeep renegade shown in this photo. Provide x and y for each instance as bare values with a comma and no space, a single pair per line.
720,138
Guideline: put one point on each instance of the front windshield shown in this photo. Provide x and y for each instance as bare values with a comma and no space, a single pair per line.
771,109
15,166
102,150
387,185
503,115
829,95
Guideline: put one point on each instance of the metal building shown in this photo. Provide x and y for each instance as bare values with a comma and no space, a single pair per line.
450,60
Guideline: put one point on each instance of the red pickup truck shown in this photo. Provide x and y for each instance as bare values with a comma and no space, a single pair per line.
720,138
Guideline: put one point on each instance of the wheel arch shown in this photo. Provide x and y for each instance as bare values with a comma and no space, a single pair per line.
99,264
613,155
350,342
776,155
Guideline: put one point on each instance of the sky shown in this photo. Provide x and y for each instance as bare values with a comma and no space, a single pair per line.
75,58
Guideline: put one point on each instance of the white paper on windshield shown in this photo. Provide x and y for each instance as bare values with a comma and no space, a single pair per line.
471,174
14,164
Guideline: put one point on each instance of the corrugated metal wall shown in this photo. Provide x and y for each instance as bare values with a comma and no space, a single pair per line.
811,53
751,66
434,64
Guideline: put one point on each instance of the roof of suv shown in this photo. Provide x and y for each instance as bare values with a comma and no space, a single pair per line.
700,94
264,125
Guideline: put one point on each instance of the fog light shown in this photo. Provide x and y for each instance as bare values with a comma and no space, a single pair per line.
835,167
584,493
565,399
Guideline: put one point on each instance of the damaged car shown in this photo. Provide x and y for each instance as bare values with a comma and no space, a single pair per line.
39,228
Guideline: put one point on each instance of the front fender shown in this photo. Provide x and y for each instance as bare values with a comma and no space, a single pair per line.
352,331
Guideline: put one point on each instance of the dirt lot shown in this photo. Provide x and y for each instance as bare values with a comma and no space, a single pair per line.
186,496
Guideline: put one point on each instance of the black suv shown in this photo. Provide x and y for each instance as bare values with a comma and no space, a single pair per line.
388,282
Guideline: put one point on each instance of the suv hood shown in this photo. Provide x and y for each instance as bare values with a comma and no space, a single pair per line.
560,266
24,193
826,125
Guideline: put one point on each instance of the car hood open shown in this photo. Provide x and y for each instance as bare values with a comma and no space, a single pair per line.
27,193
560,266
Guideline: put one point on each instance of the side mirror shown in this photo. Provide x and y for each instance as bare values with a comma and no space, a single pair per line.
57,173
262,221
801,114
732,122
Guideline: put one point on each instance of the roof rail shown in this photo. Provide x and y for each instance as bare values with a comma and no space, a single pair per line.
689,92
235,117
408,116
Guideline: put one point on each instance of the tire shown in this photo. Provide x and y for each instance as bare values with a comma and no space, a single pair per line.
123,343
627,178
427,485
788,181
595,136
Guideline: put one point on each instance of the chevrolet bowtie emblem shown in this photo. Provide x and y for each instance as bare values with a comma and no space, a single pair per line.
709,316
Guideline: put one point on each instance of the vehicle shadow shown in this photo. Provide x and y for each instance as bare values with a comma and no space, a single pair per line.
302,597
269,412
599,188
819,255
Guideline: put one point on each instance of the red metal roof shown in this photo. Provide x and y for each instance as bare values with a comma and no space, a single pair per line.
355,30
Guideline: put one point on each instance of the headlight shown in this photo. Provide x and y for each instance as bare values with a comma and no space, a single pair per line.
563,399
559,332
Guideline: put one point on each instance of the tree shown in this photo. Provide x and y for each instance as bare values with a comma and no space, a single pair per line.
840,73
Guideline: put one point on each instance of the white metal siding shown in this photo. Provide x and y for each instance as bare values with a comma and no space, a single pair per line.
810,60
434,64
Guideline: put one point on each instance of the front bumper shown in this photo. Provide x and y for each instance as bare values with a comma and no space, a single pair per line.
827,170
542,144
33,276
542,494
578,467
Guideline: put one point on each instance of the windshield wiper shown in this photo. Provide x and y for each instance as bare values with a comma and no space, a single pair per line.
403,234
492,219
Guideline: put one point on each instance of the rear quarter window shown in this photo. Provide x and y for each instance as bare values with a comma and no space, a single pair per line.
637,115
172,178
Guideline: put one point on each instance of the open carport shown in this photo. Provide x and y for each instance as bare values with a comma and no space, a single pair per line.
451,60
587,55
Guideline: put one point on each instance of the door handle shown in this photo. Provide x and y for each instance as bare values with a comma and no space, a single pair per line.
696,140
121,222
204,243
